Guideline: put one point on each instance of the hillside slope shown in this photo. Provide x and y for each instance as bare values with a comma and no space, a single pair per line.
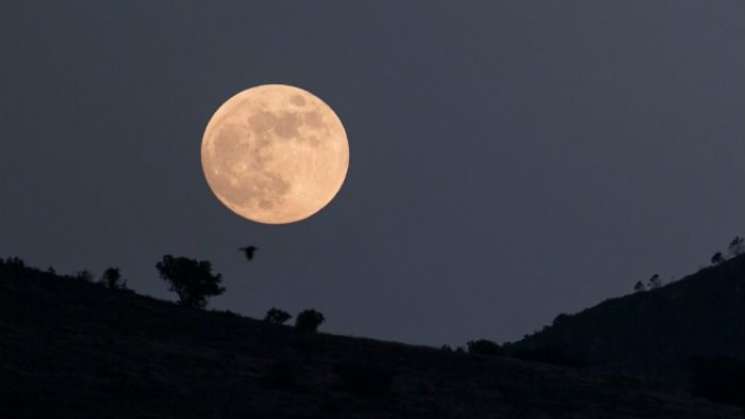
658,332
72,349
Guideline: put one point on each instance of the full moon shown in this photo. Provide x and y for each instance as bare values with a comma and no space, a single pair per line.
275,154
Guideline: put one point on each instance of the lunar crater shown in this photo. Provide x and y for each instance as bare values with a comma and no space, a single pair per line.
298,100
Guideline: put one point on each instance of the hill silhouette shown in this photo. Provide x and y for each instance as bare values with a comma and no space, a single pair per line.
660,333
70,348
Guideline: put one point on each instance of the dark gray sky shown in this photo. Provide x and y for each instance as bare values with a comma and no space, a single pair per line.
509,160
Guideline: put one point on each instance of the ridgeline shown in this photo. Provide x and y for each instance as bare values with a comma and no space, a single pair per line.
70,348
666,334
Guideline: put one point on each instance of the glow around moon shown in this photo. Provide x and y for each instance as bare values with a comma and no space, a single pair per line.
275,154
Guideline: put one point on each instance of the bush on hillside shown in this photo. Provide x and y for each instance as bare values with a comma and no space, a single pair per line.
277,316
736,246
309,321
112,279
655,282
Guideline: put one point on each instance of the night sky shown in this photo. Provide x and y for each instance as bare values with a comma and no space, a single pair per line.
509,160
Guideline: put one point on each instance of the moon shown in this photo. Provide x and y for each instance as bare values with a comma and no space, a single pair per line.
275,154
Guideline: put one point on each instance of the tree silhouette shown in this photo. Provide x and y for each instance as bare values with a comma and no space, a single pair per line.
655,282
191,279
112,278
717,258
309,320
737,246
639,287
14,263
277,316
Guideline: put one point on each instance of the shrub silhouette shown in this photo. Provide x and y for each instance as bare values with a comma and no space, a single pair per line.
14,263
277,316
717,258
191,279
736,246
309,320
112,278
639,287
364,379
484,347
655,282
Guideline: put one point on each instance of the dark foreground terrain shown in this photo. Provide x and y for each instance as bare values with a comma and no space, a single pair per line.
667,333
73,349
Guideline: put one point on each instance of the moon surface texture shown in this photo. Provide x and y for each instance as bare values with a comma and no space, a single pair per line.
275,154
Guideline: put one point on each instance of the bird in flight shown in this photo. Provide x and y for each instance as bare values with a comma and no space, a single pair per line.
249,251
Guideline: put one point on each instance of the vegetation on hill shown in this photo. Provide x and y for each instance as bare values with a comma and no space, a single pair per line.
672,333
191,279
72,348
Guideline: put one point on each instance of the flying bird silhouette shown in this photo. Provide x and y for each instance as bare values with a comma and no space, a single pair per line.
249,251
